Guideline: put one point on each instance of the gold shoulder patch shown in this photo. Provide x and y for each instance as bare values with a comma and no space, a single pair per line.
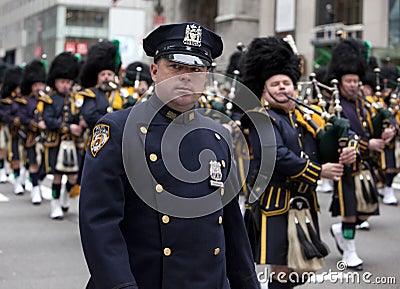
6,101
45,98
21,100
87,92
101,134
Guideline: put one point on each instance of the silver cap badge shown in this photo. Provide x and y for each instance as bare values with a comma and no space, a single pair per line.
192,35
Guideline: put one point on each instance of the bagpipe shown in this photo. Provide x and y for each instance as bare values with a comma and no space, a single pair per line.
131,94
394,101
148,93
132,97
120,97
380,117
334,135
218,94
213,93
32,134
115,94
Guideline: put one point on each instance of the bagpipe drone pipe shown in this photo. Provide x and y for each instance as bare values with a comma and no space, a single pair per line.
333,134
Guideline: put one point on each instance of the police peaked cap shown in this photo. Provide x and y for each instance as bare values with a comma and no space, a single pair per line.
12,79
144,74
266,57
65,65
348,57
33,72
187,43
103,55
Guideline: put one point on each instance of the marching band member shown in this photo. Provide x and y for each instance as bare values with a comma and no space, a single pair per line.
355,196
98,78
62,123
271,69
33,83
389,77
4,133
11,100
136,82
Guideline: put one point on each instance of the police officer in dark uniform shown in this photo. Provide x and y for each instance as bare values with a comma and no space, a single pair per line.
142,224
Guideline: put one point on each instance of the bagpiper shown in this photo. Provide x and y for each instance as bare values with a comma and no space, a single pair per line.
389,78
4,133
11,100
355,195
100,94
62,129
30,114
136,82
98,78
288,206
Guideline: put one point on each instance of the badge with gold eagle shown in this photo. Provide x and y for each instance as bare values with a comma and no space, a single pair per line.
101,134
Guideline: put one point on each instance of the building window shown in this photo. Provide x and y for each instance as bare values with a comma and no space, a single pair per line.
87,18
347,12
79,45
394,23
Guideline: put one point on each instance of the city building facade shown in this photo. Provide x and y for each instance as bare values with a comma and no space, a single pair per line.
35,28
309,22
30,28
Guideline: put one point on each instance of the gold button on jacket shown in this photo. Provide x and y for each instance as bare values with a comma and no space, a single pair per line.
143,130
167,251
153,157
165,219
159,188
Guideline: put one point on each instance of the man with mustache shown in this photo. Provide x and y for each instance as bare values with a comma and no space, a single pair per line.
158,205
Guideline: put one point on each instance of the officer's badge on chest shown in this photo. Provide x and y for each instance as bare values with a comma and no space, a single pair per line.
101,134
216,174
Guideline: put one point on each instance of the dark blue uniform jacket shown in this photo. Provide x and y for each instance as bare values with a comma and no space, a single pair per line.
129,244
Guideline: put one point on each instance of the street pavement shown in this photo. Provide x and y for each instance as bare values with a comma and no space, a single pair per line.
379,248
35,251
39,253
